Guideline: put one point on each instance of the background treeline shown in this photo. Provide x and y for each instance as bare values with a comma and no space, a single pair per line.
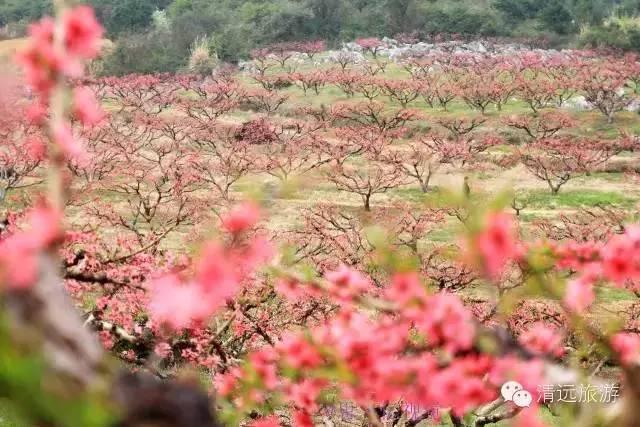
157,35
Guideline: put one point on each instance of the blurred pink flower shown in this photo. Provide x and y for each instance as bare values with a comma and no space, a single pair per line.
497,243
86,108
543,340
627,345
579,295
83,33
70,146
242,217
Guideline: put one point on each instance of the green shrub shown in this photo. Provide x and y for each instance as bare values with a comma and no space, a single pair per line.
23,10
203,58
459,18
144,53
126,16
619,33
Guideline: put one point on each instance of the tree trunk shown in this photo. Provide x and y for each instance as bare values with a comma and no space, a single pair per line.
424,184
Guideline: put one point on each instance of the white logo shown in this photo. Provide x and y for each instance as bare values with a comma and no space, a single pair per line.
514,392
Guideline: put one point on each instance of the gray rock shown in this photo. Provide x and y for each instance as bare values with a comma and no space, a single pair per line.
477,46
351,46
578,103
634,106
389,42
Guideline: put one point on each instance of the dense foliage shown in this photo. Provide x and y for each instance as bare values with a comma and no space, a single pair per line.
619,33
237,26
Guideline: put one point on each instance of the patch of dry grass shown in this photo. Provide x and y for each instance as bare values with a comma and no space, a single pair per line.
8,48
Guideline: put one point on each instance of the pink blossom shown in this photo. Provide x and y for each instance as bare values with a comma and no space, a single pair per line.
83,33
627,346
162,349
36,113
42,62
579,295
257,252
305,393
106,338
68,143
369,42
298,352
217,275
18,262
86,107
530,374
225,383
446,322
39,59
406,288
19,253
302,419
528,417
241,218
175,303
35,148
271,421
543,340
461,390
290,288
577,255
262,361
618,261
44,225
497,243
129,355
345,283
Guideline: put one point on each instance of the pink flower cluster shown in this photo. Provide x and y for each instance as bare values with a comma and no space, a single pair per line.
420,349
179,301
627,346
369,43
542,340
615,261
242,217
421,354
19,252
446,322
48,60
346,284
497,243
